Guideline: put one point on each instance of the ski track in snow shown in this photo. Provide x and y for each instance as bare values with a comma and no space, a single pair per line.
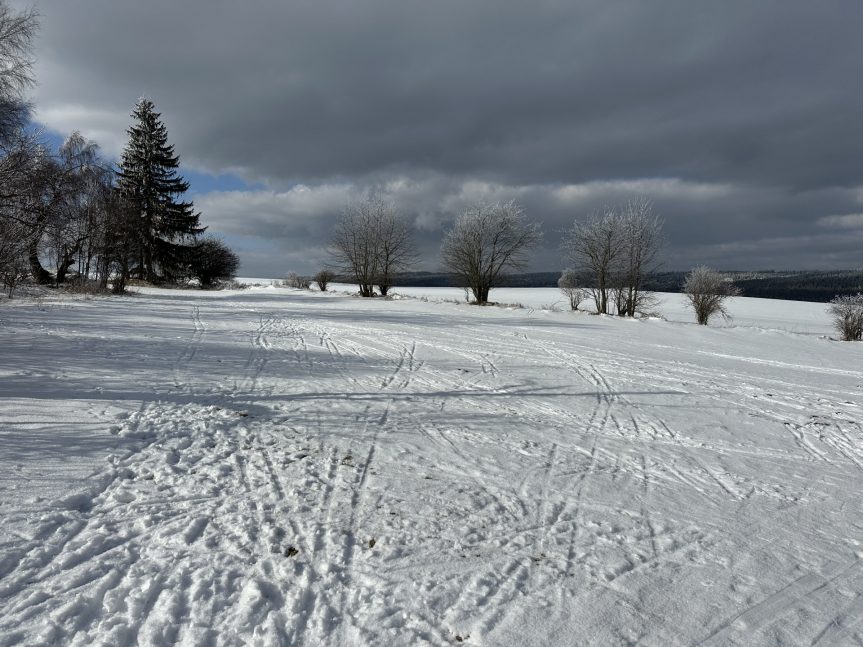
307,469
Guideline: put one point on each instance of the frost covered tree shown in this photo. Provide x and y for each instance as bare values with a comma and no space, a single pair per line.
486,241
36,187
355,248
707,291
75,223
641,234
324,278
58,199
568,283
17,30
297,281
594,246
148,178
615,250
847,313
40,205
396,252
372,244
13,253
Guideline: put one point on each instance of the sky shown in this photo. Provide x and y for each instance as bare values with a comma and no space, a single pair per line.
740,120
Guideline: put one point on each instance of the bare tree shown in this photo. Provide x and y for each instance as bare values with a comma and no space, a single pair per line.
16,149
56,198
17,31
569,285
372,244
16,159
117,248
324,278
594,247
396,252
642,242
707,291
847,313
294,280
73,222
615,250
13,254
37,205
355,249
486,241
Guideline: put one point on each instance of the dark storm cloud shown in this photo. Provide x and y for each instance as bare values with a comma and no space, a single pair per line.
750,110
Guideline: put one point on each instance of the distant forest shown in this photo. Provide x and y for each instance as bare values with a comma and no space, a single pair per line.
805,285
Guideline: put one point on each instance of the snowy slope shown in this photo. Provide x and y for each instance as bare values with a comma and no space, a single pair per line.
277,467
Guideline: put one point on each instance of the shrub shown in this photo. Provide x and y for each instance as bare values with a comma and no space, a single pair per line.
568,284
294,280
213,261
323,279
707,291
232,284
847,312
486,241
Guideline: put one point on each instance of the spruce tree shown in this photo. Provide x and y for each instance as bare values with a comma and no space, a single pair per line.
148,180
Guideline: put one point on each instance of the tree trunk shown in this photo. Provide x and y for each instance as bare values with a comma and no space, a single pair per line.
119,285
64,264
40,274
480,293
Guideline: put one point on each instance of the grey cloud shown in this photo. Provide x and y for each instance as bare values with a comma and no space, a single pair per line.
758,228
756,105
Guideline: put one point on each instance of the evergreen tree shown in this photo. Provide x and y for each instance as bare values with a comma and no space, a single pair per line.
148,180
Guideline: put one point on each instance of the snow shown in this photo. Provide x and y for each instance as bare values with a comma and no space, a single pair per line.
270,466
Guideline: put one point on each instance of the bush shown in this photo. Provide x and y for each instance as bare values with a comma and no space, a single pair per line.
707,291
294,280
232,284
213,261
486,241
847,312
79,284
12,272
323,279
372,244
568,284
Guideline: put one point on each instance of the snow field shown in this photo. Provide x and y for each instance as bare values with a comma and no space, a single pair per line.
277,467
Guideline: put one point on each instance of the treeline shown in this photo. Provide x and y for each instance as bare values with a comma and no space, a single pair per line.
801,286
72,211
804,285
820,286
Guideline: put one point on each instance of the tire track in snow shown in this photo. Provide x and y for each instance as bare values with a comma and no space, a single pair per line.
257,359
768,610
406,363
840,625
466,468
358,492
188,353
546,515
578,522
659,429
337,358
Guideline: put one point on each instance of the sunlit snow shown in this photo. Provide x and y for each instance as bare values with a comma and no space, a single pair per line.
270,466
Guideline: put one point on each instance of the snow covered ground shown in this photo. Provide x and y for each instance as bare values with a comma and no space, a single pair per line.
270,466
